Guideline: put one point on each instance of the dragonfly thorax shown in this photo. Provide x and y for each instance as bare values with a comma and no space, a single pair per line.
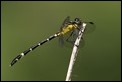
68,28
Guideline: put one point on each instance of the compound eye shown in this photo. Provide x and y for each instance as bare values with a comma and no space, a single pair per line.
77,20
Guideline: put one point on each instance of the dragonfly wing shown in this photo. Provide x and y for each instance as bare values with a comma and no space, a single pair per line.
90,27
72,38
66,21
64,24
61,40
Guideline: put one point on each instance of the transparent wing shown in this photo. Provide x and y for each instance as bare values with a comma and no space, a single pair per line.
64,24
90,27
70,38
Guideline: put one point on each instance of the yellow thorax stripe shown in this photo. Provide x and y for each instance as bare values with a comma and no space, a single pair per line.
68,28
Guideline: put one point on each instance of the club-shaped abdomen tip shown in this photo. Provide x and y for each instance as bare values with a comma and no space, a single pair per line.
11,65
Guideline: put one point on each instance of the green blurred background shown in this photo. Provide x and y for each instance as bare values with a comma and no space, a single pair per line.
23,24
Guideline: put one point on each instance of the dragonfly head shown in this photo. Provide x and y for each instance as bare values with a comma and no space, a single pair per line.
77,21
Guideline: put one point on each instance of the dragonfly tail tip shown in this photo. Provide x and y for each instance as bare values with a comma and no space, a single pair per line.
10,65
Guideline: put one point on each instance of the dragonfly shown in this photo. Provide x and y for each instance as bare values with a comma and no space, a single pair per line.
68,26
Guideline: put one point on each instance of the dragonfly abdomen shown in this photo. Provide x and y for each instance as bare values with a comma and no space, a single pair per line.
32,48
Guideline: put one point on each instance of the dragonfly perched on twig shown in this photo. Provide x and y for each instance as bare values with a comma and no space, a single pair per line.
68,26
